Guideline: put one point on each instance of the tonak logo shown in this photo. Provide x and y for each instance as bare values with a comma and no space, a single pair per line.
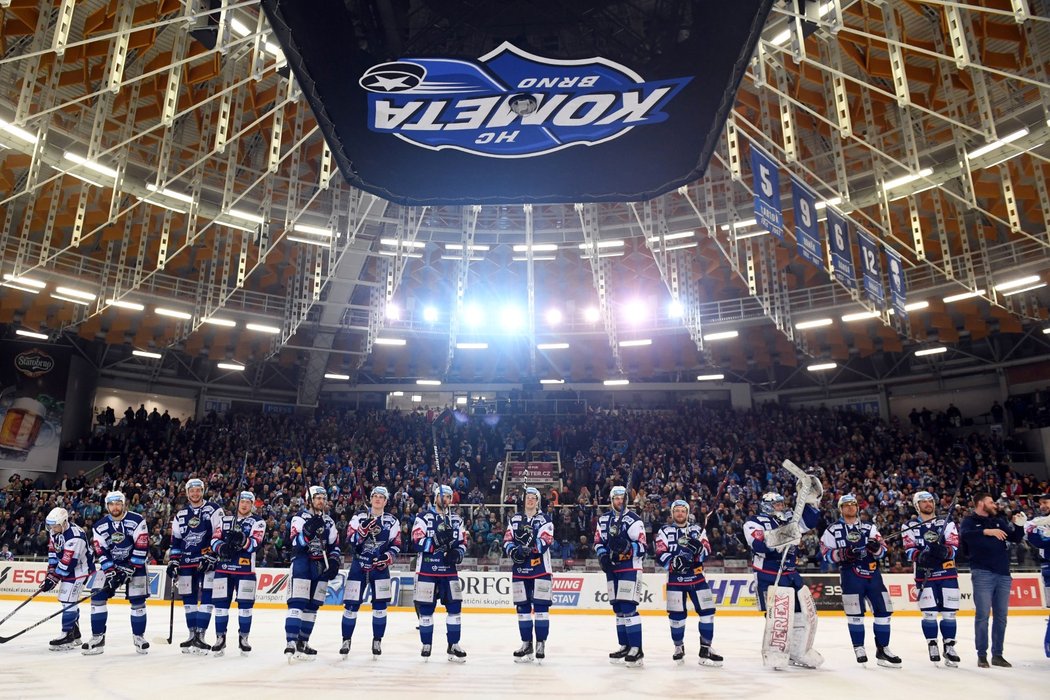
34,363
510,103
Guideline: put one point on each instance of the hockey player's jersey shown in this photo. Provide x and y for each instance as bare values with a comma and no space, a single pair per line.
368,546
124,541
427,532
69,556
917,534
842,537
307,527
1039,537
611,525
241,562
539,561
668,545
766,560
191,531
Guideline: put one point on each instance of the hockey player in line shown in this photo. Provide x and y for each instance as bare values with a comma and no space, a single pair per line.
619,543
121,542
375,539
527,542
773,537
235,542
931,541
440,539
1037,533
681,548
316,560
856,548
191,563
69,565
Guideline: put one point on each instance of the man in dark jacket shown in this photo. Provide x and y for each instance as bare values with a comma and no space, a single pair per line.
987,536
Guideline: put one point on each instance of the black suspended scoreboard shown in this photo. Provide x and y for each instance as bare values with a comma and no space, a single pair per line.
507,119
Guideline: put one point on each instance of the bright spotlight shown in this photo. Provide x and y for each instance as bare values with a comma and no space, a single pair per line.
634,311
675,310
430,314
393,312
472,315
511,318
554,316
591,314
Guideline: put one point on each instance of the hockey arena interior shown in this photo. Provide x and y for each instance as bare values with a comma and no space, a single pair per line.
590,347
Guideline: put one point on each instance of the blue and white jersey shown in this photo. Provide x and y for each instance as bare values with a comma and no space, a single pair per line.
766,560
306,527
431,559
539,561
667,547
1039,538
842,537
917,534
191,532
368,545
612,525
124,542
241,562
69,555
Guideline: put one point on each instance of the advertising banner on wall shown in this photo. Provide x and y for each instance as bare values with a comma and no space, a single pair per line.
33,382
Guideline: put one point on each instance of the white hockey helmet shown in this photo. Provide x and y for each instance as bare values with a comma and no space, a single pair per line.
380,491
57,516
315,491
848,498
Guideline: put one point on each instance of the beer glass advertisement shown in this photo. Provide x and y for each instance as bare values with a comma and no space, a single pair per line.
33,378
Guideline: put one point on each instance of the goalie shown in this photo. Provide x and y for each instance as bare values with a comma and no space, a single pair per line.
773,536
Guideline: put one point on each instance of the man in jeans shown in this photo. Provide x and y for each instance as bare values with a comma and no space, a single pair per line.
987,536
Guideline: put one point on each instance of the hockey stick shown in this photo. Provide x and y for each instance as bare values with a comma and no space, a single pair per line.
21,605
171,612
4,640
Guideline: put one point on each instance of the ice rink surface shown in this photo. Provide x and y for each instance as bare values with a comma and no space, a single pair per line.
577,664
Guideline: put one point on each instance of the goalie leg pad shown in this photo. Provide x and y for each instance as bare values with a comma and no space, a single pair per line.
780,613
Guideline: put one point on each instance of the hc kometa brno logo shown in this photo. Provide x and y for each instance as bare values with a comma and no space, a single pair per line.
510,103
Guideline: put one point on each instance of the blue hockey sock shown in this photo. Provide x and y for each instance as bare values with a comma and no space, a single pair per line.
856,630
621,630
881,627
426,629
222,619
204,617
525,626
634,630
929,628
678,630
99,616
349,623
378,622
292,624
452,627
948,628
307,627
707,628
244,621
543,625
191,615
70,617
138,619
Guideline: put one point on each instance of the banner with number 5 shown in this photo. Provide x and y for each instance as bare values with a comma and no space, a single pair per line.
807,231
767,192
841,249
871,268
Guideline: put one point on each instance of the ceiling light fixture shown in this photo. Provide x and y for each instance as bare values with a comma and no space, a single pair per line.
31,334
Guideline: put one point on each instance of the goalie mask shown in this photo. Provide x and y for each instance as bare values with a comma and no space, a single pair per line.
774,506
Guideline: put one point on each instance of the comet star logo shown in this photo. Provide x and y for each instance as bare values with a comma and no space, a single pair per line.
510,103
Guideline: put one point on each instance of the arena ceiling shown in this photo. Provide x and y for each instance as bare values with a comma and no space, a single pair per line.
161,175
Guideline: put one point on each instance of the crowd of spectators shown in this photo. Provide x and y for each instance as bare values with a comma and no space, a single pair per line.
720,460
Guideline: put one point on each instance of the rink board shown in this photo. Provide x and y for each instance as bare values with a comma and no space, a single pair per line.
490,591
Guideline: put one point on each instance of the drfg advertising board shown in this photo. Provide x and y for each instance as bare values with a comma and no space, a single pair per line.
571,591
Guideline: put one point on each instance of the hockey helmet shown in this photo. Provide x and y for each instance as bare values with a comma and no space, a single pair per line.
921,496
380,491
57,516
847,498
768,506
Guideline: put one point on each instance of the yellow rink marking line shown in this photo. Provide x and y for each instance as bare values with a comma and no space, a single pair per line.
509,609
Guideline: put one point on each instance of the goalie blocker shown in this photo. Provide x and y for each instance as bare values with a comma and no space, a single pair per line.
773,536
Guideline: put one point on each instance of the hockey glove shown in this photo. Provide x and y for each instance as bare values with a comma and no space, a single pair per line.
848,555
235,540
316,548
372,526
606,563
173,568
444,533
221,550
453,557
49,582
313,527
814,491
207,563
335,562
114,580
689,546
874,547
525,537
681,564
519,554
382,561
620,544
